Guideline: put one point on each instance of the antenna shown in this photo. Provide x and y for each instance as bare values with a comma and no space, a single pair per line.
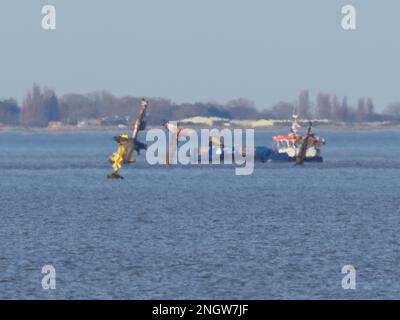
295,124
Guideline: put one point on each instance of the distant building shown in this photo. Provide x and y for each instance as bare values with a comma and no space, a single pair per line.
54,124
88,123
210,121
114,121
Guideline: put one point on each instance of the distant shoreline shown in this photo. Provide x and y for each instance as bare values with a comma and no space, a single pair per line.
67,128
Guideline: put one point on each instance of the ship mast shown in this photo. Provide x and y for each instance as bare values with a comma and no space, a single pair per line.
132,143
295,124
143,106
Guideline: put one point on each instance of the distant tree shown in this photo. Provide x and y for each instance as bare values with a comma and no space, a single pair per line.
336,109
392,111
187,110
371,115
344,111
324,108
283,110
39,107
304,107
160,110
240,102
215,111
51,106
75,107
9,112
242,109
370,106
107,104
361,112
42,105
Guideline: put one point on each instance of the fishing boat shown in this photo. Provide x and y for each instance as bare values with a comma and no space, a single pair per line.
293,147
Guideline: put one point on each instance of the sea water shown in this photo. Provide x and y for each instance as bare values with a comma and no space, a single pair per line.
198,232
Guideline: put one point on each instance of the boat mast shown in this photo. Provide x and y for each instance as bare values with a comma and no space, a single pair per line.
136,127
295,124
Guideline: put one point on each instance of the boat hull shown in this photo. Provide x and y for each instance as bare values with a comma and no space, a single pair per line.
263,154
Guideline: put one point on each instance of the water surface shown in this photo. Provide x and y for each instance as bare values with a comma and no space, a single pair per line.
198,232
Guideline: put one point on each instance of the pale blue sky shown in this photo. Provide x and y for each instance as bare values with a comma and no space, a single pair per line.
199,50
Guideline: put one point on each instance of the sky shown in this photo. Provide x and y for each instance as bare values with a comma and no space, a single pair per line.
203,50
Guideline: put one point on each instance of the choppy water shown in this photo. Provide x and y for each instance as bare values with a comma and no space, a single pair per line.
198,232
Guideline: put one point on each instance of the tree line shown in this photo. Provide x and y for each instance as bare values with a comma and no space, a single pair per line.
42,105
